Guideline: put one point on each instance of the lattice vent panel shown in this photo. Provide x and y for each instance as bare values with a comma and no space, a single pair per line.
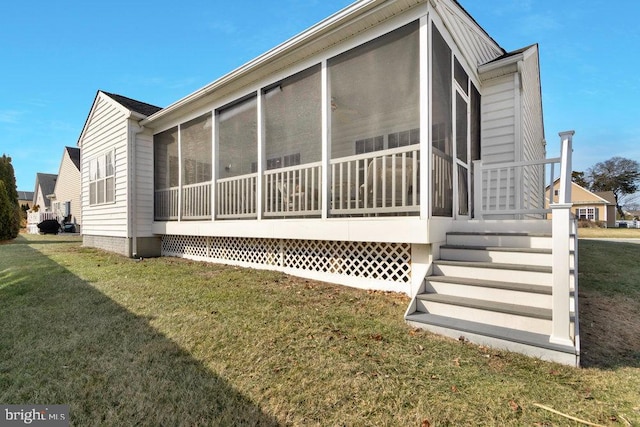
251,250
185,245
380,261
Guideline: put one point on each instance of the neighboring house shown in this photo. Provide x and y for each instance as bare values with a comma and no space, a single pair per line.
45,186
65,200
392,146
598,206
117,177
25,198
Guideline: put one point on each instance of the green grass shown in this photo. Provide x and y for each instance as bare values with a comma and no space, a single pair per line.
172,342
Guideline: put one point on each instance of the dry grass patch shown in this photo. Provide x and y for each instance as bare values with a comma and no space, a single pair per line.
173,342
615,233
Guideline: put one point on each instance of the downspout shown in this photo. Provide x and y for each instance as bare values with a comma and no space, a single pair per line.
133,191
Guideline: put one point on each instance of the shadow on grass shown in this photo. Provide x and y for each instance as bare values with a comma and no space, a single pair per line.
609,301
64,342
46,239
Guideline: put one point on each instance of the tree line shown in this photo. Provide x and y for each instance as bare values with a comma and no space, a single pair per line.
619,175
9,208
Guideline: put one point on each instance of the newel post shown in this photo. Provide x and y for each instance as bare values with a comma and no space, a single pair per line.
561,251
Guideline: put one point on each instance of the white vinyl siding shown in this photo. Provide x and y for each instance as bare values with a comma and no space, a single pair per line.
68,188
498,120
106,130
532,132
144,184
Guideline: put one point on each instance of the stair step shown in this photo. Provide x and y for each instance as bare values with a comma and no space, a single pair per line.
510,286
512,339
499,307
502,272
500,239
498,249
496,254
495,265
497,233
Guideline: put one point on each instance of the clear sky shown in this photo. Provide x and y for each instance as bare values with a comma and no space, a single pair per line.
55,56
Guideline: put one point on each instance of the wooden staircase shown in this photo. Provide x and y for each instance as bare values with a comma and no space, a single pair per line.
495,288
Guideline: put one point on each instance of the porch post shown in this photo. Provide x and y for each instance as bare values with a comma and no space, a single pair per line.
561,232
560,317
477,189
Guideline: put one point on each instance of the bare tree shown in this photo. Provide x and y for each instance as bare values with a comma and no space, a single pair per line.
618,175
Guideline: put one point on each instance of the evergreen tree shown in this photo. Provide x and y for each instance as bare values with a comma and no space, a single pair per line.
9,208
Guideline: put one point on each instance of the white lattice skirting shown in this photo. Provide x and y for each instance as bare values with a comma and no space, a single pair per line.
370,265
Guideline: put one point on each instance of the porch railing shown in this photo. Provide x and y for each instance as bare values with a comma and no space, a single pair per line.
378,182
196,201
236,197
293,191
166,203
515,189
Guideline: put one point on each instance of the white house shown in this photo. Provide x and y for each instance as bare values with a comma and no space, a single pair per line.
45,185
394,145
117,176
65,198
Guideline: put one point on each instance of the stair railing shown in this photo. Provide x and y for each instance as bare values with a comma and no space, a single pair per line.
561,249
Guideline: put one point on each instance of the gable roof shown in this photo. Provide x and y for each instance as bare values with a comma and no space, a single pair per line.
608,196
127,105
47,184
25,195
133,105
74,155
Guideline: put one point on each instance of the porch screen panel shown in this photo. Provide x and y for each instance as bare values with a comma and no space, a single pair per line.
195,141
293,121
166,174
237,139
442,123
165,159
462,154
375,91
196,146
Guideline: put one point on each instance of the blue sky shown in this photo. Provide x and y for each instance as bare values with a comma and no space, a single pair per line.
56,55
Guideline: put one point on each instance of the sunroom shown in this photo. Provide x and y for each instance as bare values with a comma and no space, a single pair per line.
386,129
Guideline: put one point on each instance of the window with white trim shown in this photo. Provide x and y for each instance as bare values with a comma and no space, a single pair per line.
102,179
586,213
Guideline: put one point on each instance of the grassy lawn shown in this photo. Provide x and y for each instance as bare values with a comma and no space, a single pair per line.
617,233
172,342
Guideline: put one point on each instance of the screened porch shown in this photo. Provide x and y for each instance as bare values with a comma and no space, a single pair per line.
342,138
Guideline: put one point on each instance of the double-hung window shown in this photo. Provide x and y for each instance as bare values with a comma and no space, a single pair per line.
102,179
586,213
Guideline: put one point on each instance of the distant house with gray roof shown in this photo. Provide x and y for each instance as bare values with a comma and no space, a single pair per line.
65,198
45,185
25,198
